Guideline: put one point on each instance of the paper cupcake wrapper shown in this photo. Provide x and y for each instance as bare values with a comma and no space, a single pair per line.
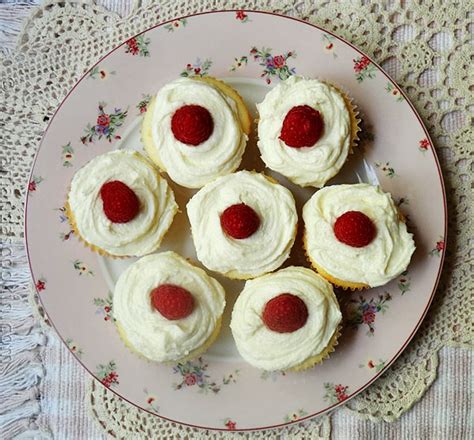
325,354
354,114
345,285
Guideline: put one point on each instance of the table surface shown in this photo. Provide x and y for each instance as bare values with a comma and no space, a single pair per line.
443,413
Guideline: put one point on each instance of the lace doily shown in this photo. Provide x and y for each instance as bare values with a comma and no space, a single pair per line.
423,45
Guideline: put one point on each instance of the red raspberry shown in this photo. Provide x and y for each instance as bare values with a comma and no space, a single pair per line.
355,229
172,301
192,124
120,203
285,313
239,221
302,127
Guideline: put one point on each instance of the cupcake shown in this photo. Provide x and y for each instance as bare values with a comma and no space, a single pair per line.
119,205
243,225
355,237
306,130
196,130
287,320
166,309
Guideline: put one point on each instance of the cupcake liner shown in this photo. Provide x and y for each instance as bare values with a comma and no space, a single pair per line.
345,285
401,216
325,354
353,114
194,354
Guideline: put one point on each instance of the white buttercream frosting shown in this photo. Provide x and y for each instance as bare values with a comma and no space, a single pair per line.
271,350
149,332
139,236
194,166
386,257
307,166
263,251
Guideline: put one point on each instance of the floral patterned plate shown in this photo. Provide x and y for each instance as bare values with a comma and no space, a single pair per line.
253,51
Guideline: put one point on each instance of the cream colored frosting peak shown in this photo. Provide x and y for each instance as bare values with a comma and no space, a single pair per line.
139,236
385,258
145,329
271,350
307,166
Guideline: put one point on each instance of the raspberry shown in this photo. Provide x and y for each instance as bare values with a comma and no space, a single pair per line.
120,203
239,221
302,127
192,124
172,301
355,229
285,313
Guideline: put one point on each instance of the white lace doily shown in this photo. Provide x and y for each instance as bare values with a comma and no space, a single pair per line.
425,46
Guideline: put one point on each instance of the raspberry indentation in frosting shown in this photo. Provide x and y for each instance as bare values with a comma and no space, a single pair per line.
192,124
355,229
285,313
173,302
120,203
302,127
239,221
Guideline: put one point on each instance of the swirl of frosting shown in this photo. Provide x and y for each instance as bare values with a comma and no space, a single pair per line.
386,257
271,350
144,328
139,236
307,166
263,251
220,154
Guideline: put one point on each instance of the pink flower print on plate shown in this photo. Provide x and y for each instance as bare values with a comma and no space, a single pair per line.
40,284
438,249
424,145
198,68
329,47
335,393
176,24
34,183
194,373
363,312
364,69
242,16
274,66
107,374
106,125
138,46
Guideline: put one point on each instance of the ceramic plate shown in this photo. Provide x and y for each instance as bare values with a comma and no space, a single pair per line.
252,51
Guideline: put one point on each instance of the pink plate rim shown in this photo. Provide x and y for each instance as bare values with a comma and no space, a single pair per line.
440,174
